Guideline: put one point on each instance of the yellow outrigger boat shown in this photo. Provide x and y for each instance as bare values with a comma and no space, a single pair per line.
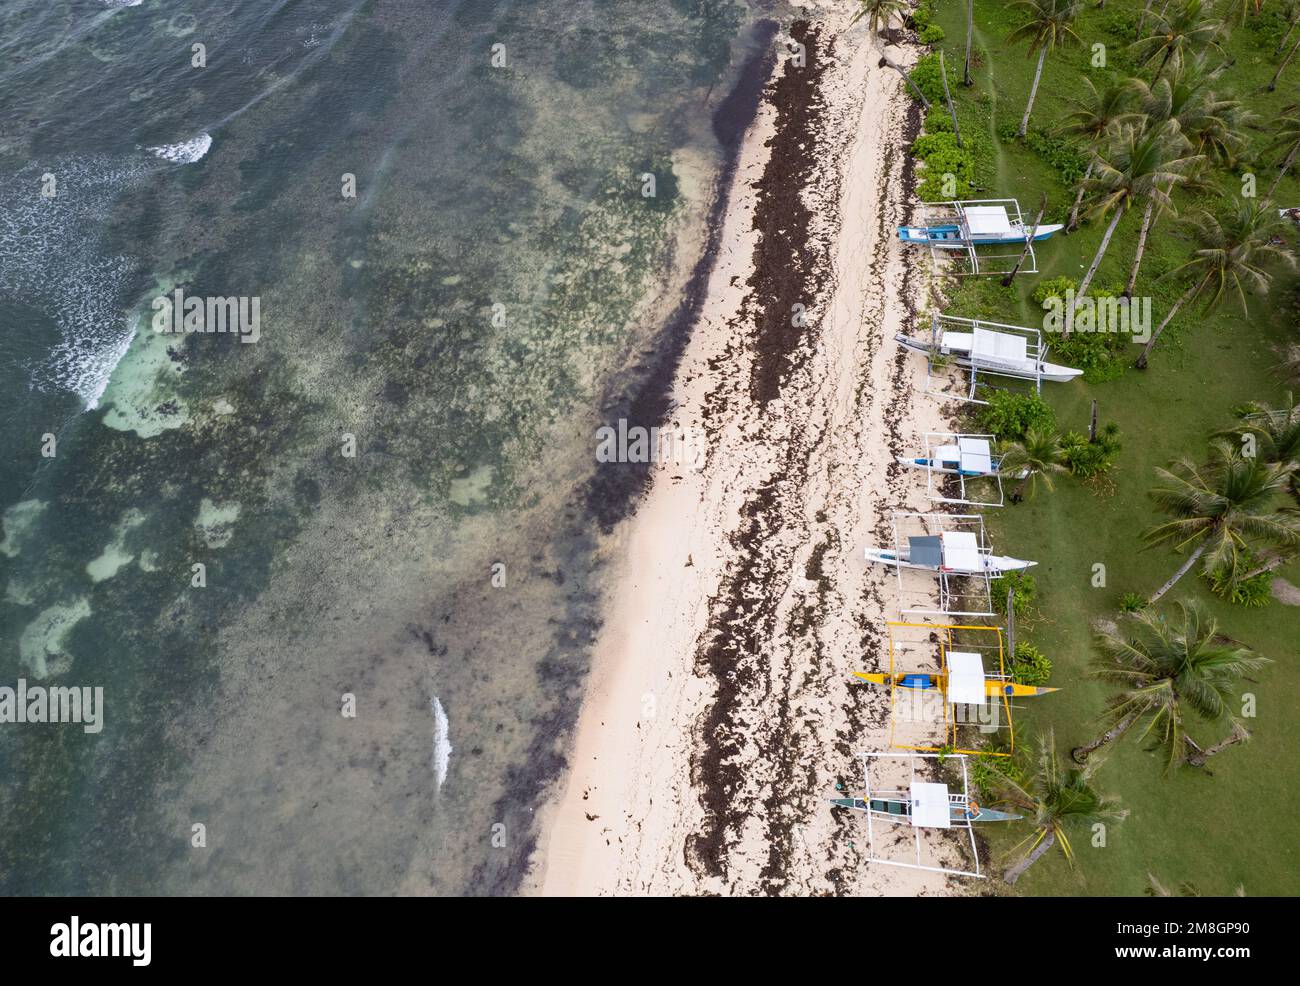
993,687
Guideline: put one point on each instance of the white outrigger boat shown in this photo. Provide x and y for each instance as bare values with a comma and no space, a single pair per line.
960,469
950,552
919,804
952,547
1001,354
976,225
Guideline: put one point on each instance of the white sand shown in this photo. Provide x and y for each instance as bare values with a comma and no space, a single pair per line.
624,823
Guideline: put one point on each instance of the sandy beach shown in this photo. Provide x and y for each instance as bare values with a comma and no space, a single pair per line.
720,712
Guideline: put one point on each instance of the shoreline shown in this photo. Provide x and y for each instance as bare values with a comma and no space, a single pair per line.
719,715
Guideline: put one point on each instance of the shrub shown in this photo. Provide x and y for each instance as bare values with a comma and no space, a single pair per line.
1088,459
925,73
1023,588
1132,602
932,34
987,771
937,121
1053,287
1101,356
1253,592
1059,154
932,143
1010,415
1030,666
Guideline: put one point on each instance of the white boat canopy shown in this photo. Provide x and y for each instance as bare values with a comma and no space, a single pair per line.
961,550
930,805
965,678
987,220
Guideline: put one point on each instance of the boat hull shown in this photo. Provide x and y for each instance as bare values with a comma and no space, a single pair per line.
1051,372
897,809
993,564
927,682
952,238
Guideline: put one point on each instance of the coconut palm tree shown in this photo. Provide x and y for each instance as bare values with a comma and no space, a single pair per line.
1055,798
1155,888
1227,507
1140,163
1050,26
1274,431
1037,456
1272,83
1228,257
1167,670
1092,118
1286,130
1174,37
1288,365
1209,126
880,12
1292,19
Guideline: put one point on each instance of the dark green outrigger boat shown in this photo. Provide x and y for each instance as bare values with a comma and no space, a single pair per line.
898,806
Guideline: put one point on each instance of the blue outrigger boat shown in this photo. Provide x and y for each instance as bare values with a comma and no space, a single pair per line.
977,225
897,806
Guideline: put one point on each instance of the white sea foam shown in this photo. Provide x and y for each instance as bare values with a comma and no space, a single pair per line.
441,745
51,260
186,152
121,3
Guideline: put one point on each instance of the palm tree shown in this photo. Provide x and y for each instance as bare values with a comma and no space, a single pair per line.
1056,798
1272,83
1049,27
1141,163
1093,116
1292,19
880,12
1165,670
1287,134
1174,37
1275,431
1037,455
1228,258
1209,126
1228,506
1155,888
1288,366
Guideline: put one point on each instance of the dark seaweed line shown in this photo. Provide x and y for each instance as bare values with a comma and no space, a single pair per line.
789,268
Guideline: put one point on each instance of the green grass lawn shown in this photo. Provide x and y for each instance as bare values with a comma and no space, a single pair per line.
1234,827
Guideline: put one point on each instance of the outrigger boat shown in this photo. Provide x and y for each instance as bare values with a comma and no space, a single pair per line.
898,806
976,225
951,553
970,458
905,798
1000,353
993,687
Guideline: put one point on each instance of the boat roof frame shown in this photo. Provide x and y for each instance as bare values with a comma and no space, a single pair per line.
932,445
951,723
947,580
954,212
937,366
965,823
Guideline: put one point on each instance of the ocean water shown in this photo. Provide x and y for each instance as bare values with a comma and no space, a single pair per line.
338,585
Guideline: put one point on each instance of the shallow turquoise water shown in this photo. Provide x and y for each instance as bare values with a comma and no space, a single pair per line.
386,491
